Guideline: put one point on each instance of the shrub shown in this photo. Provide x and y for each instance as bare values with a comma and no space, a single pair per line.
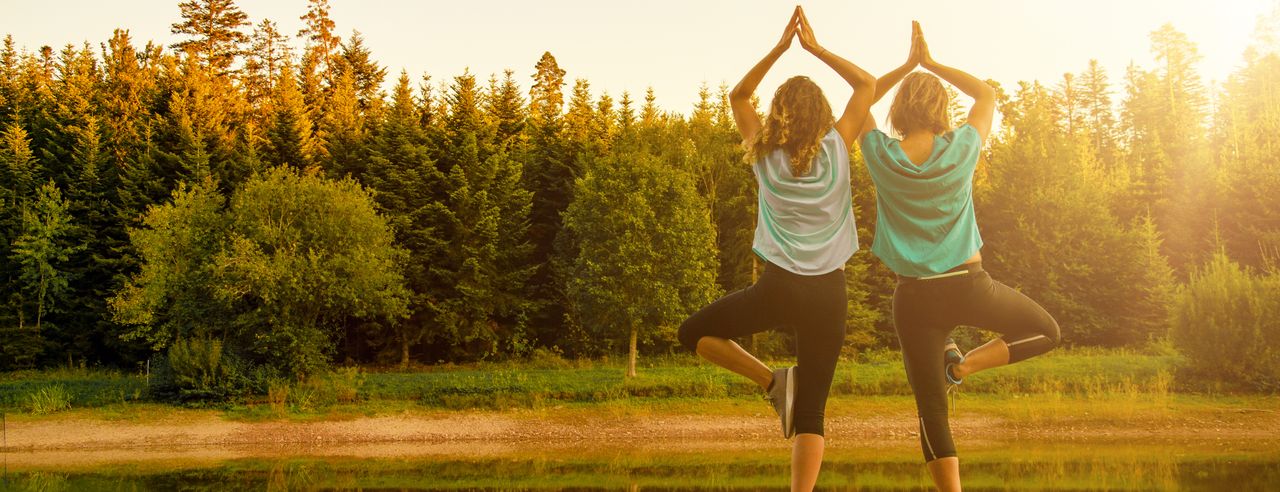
49,399
196,369
1225,321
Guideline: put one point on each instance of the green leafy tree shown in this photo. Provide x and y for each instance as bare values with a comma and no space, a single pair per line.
41,253
1225,321
303,254
646,251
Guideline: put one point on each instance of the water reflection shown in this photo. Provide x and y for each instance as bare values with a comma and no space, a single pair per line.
588,466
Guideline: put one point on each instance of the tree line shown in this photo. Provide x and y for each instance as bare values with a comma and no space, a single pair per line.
278,201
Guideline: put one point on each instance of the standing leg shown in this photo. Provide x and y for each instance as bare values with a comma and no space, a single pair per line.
819,322
922,331
806,461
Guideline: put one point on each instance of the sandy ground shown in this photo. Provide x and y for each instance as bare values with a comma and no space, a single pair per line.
205,436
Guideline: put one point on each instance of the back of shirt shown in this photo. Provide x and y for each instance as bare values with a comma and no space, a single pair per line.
805,224
925,223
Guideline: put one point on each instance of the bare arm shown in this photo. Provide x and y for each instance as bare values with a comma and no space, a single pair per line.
891,79
984,97
863,83
740,97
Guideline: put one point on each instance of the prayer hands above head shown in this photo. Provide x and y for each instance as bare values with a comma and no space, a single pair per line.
789,33
919,48
807,39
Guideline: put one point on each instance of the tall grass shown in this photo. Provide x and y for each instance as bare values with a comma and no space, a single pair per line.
49,399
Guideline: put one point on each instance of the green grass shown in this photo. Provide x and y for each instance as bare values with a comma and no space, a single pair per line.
1061,377
84,387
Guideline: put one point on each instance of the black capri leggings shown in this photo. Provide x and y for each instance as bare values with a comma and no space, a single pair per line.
924,314
813,306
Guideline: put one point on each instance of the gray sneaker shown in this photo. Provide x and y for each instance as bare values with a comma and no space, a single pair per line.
783,398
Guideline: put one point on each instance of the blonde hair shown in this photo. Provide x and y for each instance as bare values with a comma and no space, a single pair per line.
798,118
921,104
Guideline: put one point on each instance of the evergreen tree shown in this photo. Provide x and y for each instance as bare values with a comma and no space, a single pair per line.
486,262
1103,281
504,107
267,57
549,176
365,73
291,134
411,190
214,31
345,135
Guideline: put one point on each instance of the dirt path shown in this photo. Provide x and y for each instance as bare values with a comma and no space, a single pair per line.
477,430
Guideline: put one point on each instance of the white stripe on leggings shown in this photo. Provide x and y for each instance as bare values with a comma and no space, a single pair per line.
927,444
1025,340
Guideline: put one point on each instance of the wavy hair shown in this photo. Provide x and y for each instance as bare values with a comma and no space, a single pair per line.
798,118
921,104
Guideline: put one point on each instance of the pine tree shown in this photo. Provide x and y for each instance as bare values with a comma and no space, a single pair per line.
411,191
504,107
214,28
318,70
1246,140
549,177
345,132
366,75
17,187
1099,115
268,54
1103,279
291,133
486,264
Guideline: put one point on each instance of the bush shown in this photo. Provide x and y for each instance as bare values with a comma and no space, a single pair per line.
1225,321
196,369
49,399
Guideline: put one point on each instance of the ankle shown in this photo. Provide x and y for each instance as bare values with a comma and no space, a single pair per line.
959,371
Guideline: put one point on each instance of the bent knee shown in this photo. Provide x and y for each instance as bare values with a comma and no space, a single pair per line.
688,336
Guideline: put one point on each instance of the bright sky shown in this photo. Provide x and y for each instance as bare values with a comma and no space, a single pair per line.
675,45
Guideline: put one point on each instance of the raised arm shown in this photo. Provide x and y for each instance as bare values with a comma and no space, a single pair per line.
864,85
744,114
891,79
984,97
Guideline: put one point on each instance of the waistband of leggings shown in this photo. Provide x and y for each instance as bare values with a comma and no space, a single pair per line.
961,270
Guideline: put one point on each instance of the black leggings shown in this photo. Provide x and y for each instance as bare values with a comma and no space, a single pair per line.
814,306
925,312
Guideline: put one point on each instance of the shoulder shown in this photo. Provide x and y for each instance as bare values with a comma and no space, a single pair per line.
875,137
964,134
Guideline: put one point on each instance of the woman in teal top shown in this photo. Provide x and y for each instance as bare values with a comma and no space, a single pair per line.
927,233
804,234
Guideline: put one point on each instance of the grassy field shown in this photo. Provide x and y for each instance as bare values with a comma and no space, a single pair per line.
1061,377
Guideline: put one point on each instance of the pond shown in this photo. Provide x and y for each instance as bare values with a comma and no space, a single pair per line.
1118,465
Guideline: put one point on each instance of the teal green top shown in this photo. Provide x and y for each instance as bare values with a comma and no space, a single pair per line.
925,223
805,224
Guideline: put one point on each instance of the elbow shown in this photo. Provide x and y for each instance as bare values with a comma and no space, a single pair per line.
985,91
865,84
738,94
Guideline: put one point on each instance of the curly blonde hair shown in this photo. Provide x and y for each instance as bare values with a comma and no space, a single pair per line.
921,104
799,117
